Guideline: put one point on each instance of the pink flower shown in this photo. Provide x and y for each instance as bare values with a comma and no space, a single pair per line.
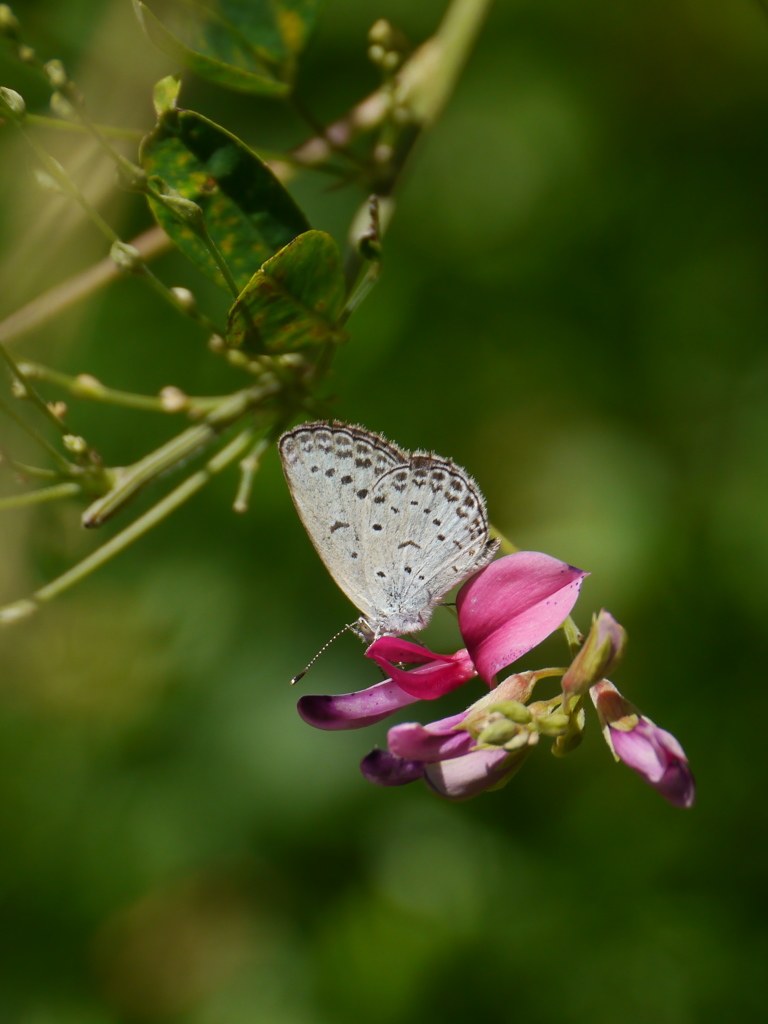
451,755
652,752
504,611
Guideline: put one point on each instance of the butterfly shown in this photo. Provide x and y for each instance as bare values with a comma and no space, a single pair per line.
396,530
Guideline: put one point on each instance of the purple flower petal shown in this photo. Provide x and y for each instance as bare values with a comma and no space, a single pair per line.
433,742
441,673
657,758
385,769
354,710
463,777
512,605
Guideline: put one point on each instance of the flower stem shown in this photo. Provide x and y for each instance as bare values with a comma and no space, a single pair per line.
21,609
57,123
64,464
150,244
86,386
30,392
179,448
53,493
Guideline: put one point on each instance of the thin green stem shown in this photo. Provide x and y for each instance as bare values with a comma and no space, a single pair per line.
31,393
86,386
150,244
220,262
361,291
43,494
232,451
68,467
187,443
60,176
57,124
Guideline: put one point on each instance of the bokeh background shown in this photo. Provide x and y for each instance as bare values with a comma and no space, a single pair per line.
574,307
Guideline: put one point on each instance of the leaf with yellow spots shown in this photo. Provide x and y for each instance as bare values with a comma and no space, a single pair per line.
294,301
248,213
248,45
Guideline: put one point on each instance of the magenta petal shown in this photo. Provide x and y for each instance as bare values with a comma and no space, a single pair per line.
354,710
385,769
512,605
445,672
432,742
393,648
463,777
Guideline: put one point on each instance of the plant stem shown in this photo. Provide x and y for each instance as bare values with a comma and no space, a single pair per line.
21,609
86,386
64,464
185,444
31,393
41,121
150,244
43,494
248,469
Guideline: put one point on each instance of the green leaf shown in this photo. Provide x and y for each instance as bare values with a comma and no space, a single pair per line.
248,45
248,213
294,301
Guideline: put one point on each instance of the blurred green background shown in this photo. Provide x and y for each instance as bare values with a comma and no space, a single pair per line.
575,308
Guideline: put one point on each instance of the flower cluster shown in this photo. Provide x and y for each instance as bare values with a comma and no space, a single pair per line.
504,611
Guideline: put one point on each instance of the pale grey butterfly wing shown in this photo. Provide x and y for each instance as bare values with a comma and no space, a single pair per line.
425,531
331,469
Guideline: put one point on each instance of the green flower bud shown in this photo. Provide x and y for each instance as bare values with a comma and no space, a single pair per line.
47,182
553,725
513,710
126,257
185,298
186,211
61,107
56,72
498,732
9,23
73,443
13,102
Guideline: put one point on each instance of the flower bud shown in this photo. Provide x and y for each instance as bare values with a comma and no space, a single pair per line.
48,183
13,102
173,399
497,732
73,443
126,257
553,725
513,710
56,72
185,299
599,654
653,753
185,210
9,23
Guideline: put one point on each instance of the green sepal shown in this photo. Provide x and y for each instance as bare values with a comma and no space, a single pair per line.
294,301
248,46
248,213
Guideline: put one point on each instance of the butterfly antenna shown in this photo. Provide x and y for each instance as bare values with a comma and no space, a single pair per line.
325,647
